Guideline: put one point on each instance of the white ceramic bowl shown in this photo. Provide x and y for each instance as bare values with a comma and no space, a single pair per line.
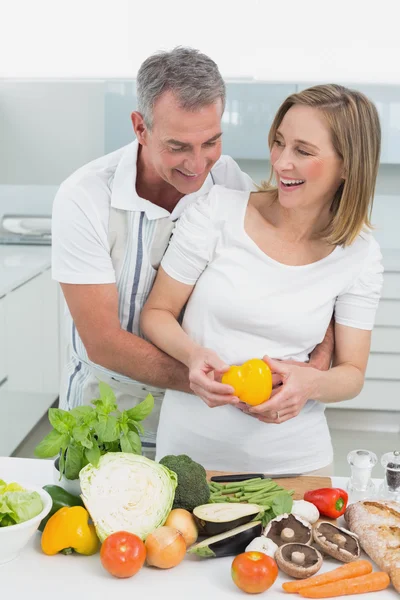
15,537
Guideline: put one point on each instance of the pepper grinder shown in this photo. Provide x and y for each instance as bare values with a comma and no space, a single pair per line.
390,488
360,485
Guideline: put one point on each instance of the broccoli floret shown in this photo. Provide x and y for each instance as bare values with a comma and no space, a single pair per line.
192,487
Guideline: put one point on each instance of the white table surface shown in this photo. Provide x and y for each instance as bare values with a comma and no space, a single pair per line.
66,577
18,264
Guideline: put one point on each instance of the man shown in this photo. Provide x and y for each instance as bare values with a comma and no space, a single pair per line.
112,220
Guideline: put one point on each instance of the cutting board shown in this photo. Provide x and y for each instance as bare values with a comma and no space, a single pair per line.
300,485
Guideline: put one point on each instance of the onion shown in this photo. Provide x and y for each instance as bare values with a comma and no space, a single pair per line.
183,521
165,548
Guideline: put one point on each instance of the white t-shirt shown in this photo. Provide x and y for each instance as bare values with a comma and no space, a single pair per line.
246,305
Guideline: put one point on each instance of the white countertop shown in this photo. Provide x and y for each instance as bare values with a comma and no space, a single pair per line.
18,264
64,577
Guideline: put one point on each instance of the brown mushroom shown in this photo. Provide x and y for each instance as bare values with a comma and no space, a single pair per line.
298,560
288,528
336,541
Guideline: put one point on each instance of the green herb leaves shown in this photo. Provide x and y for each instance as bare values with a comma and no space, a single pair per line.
85,433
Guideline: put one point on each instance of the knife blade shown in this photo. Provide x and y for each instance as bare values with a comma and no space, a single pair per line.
246,476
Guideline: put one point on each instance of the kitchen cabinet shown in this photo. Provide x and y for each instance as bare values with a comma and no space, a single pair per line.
3,370
387,101
249,112
30,341
382,382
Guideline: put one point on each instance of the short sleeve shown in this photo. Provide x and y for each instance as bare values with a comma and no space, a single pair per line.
80,249
357,306
192,243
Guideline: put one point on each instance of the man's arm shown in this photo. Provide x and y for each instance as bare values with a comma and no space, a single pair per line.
94,309
321,356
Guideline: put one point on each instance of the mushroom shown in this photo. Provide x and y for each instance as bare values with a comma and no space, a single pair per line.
336,541
262,544
298,560
288,528
305,510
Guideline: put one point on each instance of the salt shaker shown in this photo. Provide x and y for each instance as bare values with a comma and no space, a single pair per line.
360,485
390,488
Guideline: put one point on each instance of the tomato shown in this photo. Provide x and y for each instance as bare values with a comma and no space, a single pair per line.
123,554
254,572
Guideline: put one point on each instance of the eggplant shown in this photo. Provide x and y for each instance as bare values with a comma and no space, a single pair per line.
212,519
229,543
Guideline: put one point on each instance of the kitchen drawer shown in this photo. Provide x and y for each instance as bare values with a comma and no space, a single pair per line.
383,366
386,339
376,395
3,369
391,286
19,413
388,313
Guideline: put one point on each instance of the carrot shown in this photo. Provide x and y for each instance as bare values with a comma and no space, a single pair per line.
347,571
373,582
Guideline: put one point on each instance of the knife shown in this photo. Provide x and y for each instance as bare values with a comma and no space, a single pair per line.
246,476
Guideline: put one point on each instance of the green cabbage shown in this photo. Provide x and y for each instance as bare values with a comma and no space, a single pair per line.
127,492
17,505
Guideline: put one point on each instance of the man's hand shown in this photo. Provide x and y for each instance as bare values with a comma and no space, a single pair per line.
320,357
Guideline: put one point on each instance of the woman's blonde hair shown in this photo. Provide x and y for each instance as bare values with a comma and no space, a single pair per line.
356,137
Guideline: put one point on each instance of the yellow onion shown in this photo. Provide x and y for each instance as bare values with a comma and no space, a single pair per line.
183,521
165,548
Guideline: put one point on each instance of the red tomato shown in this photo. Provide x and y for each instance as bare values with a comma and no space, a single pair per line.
254,572
123,554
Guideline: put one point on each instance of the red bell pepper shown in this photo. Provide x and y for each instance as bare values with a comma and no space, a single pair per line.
331,502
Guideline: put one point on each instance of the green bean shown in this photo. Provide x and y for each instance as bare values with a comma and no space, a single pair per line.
232,490
232,499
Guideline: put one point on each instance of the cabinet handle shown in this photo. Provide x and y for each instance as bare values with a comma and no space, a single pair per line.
3,381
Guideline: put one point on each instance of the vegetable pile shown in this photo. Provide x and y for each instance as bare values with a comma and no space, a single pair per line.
17,505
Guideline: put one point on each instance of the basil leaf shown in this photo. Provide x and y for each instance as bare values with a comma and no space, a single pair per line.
282,503
82,411
81,434
131,443
136,426
93,455
106,428
141,410
61,420
73,461
107,403
50,445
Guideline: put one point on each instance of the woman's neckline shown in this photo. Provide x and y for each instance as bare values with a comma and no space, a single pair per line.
273,260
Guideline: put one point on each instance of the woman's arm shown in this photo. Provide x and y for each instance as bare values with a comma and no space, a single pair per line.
343,382
159,322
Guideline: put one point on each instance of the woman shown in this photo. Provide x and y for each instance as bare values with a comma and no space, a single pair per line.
262,274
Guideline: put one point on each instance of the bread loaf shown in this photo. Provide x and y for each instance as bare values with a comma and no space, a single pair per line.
377,525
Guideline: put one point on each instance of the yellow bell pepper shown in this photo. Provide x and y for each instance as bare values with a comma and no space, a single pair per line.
252,381
67,530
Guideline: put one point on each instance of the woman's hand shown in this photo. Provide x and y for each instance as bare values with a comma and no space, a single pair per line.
205,368
286,401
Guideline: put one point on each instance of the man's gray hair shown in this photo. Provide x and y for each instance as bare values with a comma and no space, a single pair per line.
193,77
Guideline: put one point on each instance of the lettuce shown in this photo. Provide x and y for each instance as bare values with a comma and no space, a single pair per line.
17,505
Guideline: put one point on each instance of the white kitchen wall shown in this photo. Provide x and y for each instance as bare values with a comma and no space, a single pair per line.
273,41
